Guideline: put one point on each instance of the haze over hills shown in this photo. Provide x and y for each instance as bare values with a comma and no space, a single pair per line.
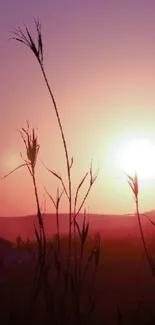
109,226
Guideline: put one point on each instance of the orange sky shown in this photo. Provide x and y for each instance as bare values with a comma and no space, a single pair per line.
100,61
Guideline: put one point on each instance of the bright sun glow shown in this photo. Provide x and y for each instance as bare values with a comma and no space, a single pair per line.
138,156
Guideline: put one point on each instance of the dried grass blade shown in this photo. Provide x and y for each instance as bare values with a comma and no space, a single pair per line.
12,171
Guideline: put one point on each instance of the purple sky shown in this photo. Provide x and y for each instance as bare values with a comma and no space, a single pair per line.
100,60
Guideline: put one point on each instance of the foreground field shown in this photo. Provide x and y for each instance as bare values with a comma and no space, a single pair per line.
124,288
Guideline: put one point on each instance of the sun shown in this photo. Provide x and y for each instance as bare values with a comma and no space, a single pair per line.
138,155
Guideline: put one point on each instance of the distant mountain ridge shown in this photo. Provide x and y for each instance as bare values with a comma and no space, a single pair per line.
108,225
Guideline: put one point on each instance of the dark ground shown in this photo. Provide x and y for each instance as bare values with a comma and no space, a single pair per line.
124,281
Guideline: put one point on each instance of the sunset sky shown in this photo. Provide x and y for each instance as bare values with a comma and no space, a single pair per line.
99,56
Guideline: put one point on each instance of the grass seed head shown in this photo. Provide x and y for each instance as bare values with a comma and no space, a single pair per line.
133,182
24,36
31,144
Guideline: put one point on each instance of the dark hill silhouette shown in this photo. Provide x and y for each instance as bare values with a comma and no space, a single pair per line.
110,226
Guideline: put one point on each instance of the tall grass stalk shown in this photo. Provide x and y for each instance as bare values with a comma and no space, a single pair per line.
56,205
32,148
133,183
37,49
73,280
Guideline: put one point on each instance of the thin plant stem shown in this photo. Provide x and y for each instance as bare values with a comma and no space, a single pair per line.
141,232
67,161
133,182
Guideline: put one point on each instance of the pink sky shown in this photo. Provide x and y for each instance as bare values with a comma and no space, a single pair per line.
100,61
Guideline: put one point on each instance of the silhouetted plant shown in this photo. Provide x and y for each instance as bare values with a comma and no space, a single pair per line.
18,242
37,49
133,183
74,280
56,205
32,148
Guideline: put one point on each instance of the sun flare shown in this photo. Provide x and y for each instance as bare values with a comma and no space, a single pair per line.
138,155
